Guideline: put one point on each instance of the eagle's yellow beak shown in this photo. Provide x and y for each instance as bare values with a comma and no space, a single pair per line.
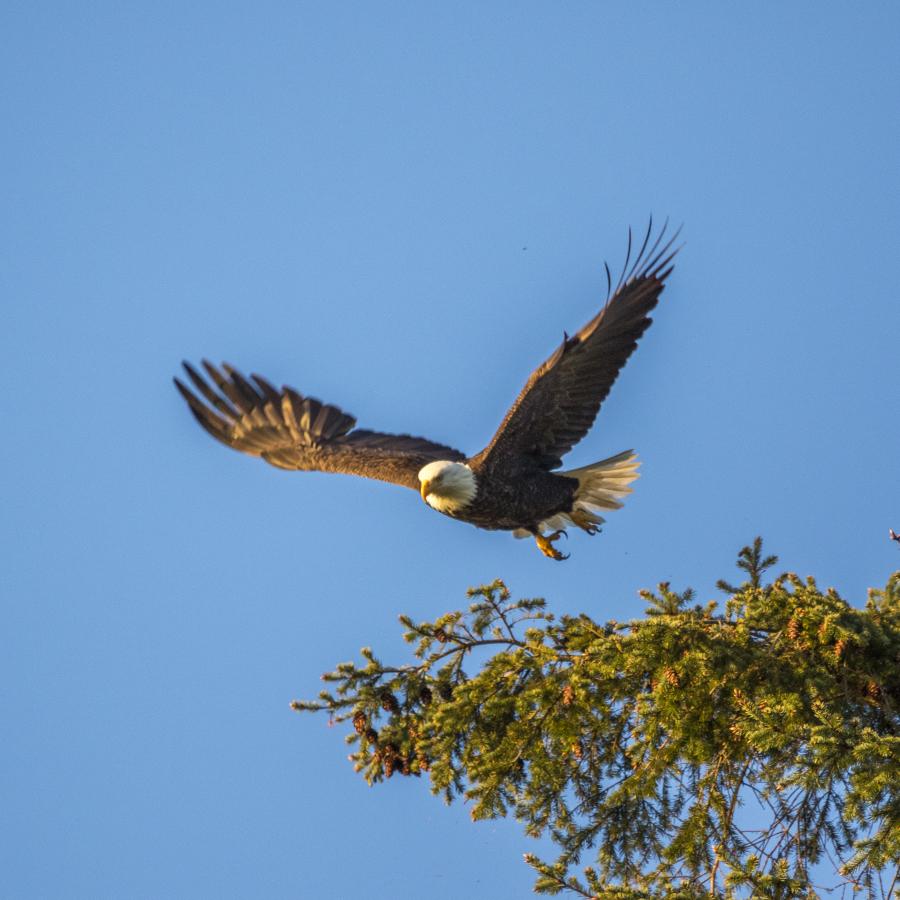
425,489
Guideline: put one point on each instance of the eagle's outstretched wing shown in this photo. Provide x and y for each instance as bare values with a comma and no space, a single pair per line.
295,432
559,403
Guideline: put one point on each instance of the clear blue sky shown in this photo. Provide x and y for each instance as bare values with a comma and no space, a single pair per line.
398,208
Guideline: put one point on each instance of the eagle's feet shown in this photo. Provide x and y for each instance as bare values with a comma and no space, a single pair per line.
545,544
585,521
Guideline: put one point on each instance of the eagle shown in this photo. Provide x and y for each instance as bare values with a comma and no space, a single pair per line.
516,482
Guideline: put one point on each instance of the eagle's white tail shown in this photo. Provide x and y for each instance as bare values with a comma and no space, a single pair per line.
603,484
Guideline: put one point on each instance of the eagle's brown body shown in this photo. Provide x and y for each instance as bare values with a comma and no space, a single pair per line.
509,485
521,505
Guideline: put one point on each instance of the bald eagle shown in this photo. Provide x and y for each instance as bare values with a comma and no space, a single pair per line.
515,483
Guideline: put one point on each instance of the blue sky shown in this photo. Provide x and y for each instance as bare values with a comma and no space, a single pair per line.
397,208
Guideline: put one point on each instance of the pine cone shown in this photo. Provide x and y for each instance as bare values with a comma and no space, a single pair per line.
671,676
359,722
441,635
425,695
389,702
839,646
389,759
793,629
371,735
568,695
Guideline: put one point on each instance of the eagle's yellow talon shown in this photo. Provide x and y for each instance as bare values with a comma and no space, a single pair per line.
545,544
585,521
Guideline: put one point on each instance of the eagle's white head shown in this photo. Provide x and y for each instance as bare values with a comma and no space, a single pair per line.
447,486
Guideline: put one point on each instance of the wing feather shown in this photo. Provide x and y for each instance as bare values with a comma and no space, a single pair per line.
267,390
291,431
559,403
211,397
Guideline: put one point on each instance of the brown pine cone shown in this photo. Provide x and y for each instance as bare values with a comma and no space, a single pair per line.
390,759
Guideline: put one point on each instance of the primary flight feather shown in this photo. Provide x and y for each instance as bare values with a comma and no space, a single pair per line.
515,483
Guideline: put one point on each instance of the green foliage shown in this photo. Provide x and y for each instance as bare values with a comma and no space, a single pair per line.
692,752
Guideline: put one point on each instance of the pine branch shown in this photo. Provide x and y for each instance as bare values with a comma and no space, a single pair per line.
639,741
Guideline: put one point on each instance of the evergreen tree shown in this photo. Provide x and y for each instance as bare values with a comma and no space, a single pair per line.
694,752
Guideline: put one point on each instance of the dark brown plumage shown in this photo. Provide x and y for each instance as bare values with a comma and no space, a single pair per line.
508,485
559,403
295,432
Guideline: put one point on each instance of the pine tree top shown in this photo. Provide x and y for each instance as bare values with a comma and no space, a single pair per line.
657,745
